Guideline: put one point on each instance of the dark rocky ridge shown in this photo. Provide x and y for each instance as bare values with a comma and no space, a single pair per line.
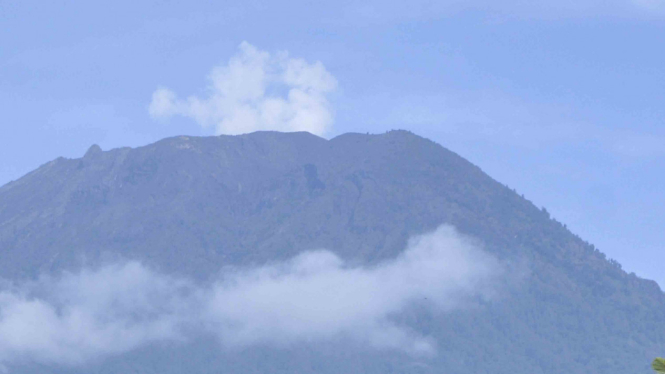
191,205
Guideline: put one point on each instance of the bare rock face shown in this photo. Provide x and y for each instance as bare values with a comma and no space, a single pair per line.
189,206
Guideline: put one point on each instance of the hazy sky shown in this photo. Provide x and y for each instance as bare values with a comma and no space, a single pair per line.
561,100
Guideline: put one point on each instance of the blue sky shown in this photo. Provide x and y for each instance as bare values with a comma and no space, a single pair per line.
561,100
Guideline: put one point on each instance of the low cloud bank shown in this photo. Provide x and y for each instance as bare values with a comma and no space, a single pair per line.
312,297
92,314
257,91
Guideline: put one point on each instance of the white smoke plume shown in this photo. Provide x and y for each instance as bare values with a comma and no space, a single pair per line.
257,91
313,297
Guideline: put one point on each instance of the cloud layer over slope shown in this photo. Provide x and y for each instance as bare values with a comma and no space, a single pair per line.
312,297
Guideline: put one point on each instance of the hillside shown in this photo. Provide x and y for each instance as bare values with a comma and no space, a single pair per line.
189,206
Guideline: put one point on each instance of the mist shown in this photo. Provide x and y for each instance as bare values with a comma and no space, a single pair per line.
316,296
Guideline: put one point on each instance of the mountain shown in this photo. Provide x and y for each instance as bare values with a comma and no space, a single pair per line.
190,206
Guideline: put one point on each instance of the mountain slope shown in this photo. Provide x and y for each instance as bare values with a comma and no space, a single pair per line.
191,205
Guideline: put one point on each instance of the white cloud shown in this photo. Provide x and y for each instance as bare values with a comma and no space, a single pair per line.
257,91
92,314
312,297
317,296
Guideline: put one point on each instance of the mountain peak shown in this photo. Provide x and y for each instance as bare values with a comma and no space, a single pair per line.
93,151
